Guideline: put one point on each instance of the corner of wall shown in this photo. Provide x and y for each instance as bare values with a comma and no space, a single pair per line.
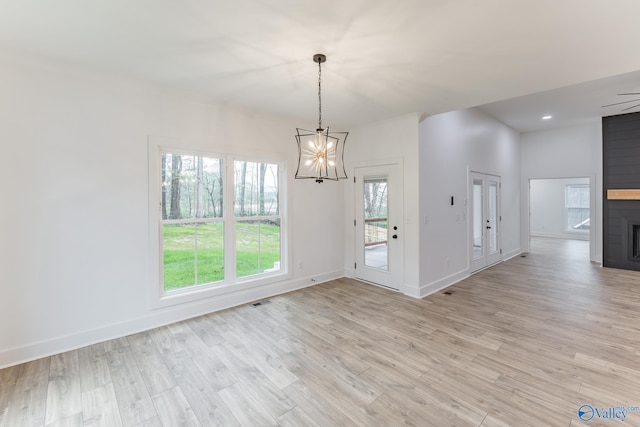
445,282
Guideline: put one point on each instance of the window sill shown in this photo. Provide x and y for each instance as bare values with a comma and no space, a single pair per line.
200,292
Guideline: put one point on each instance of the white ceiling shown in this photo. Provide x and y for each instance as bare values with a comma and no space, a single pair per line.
570,105
384,58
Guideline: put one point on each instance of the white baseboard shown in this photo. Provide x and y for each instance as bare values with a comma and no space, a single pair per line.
433,287
156,318
511,254
411,291
568,236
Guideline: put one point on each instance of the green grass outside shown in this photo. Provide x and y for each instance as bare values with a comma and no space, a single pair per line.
181,252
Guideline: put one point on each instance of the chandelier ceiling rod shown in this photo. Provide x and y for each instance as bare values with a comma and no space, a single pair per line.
320,59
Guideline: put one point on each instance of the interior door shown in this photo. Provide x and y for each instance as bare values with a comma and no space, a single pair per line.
485,220
378,229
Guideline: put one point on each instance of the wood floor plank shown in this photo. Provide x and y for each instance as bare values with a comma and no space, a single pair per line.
72,421
165,340
200,392
206,331
256,386
100,407
415,412
296,417
316,406
316,368
151,422
174,409
272,368
246,410
133,398
94,368
152,366
28,401
8,380
64,397
207,359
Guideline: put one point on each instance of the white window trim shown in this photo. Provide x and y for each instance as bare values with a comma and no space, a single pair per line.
159,298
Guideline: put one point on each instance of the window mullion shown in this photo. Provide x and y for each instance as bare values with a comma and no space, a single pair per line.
230,221
195,253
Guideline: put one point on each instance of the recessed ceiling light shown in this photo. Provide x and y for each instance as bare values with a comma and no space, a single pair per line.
546,117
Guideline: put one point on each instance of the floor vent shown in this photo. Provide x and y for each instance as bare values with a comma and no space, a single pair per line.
258,304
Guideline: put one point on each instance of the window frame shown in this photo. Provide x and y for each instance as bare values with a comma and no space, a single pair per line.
230,284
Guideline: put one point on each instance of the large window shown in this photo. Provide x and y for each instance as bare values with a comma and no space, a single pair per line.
220,220
577,214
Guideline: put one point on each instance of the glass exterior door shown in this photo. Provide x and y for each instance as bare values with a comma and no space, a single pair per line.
485,222
378,231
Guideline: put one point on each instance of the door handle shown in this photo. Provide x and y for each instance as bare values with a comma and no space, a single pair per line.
395,236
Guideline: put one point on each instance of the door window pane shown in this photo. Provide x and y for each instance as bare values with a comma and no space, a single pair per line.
492,221
478,229
376,225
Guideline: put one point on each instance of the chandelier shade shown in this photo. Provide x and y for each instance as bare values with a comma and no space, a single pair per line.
320,152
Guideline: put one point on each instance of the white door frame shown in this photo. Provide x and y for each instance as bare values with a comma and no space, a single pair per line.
394,275
489,226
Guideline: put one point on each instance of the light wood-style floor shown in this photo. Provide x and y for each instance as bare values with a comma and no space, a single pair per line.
524,343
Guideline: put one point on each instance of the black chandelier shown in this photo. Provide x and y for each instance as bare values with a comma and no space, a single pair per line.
320,153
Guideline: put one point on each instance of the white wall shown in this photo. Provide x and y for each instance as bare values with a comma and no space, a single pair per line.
569,152
451,145
547,202
74,252
376,143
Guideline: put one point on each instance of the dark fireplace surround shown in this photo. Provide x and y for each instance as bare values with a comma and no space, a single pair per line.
621,173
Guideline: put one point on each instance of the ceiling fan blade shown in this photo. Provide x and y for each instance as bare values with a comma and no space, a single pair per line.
620,103
629,108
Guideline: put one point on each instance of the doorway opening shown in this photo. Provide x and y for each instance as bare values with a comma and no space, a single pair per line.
560,214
